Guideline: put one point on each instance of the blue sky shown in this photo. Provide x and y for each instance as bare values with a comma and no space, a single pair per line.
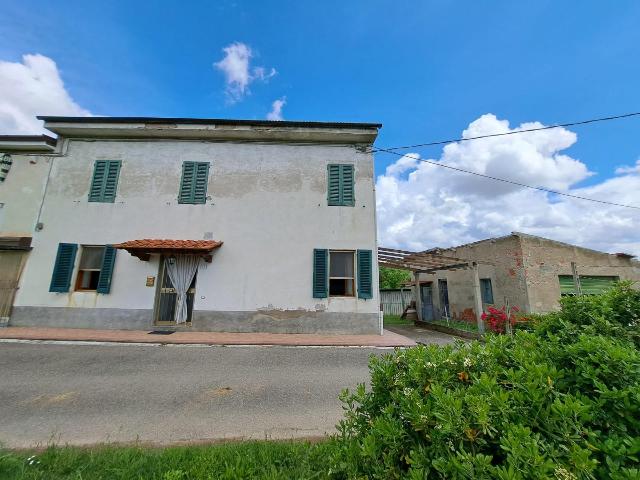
426,70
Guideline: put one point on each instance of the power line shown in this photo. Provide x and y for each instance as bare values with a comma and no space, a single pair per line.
512,182
537,129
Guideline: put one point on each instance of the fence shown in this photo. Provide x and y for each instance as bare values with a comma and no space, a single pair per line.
394,301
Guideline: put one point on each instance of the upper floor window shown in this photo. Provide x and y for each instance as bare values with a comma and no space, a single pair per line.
193,184
105,181
340,185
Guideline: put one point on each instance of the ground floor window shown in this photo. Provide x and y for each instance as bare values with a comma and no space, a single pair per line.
341,273
486,290
91,260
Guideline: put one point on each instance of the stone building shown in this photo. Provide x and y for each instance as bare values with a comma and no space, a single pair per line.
527,271
202,224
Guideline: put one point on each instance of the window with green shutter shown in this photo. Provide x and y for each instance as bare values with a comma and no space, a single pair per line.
193,184
104,183
340,185
365,275
63,267
320,273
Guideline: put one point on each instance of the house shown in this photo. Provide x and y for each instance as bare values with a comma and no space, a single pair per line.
201,224
23,174
525,271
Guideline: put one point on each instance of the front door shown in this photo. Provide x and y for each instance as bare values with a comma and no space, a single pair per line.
426,296
166,297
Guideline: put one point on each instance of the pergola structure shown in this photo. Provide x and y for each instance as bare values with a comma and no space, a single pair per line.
428,262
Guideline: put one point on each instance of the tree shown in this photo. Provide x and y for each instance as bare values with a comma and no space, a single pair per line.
393,277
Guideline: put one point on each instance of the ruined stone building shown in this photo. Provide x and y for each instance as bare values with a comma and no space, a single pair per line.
528,272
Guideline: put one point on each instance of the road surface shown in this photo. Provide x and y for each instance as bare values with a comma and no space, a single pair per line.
86,394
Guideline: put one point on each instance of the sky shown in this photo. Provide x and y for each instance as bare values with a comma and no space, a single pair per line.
428,71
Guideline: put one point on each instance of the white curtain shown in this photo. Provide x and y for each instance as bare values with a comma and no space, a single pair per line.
181,270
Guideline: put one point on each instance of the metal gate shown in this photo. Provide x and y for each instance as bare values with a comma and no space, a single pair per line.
166,297
11,264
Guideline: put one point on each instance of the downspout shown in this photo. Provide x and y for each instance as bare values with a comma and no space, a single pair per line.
63,151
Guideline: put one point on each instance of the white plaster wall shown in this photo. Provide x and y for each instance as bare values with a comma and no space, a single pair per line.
267,202
21,194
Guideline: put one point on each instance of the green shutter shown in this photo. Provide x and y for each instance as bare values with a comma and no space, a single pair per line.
594,285
63,268
320,273
589,284
365,275
104,183
566,285
340,185
333,184
106,271
348,197
200,184
193,185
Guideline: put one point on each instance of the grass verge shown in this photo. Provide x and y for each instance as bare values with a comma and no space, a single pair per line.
254,459
396,320
457,324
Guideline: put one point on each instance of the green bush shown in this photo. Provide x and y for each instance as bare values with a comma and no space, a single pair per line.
546,403
616,313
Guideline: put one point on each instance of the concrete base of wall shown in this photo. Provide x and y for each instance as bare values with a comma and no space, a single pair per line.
292,321
71,317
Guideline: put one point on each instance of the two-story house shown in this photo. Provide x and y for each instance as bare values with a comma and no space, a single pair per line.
211,225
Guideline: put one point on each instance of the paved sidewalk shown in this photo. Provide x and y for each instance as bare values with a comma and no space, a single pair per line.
388,339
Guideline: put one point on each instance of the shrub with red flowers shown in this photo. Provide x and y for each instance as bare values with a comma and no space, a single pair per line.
500,320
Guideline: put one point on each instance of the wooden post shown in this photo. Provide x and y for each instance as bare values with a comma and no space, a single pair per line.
576,279
477,297
416,278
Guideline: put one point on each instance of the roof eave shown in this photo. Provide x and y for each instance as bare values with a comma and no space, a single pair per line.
27,143
212,129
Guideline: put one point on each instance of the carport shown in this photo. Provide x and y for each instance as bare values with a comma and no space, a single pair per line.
428,262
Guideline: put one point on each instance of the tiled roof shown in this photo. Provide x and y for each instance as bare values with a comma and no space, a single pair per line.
151,244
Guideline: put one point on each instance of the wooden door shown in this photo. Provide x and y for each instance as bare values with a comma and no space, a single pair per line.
11,263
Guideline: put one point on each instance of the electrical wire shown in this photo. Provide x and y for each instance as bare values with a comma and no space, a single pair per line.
514,132
504,180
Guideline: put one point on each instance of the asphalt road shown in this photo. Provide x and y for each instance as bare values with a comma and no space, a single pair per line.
86,394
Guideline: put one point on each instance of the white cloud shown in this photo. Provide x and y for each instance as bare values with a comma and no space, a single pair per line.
422,205
276,109
31,88
627,169
238,72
